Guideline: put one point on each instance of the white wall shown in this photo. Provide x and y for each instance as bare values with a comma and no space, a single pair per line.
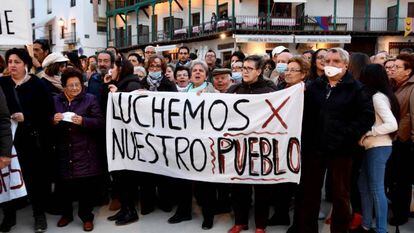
82,14
326,7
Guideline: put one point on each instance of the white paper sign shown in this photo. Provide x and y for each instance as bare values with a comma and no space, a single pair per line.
212,137
11,178
15,27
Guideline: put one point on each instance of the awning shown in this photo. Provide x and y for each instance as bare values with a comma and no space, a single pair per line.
165,48
290,1
332,39
44,22
264,38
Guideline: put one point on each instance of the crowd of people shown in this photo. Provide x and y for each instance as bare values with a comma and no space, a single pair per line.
357,136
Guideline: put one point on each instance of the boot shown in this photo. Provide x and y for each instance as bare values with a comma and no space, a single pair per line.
130,215
40,223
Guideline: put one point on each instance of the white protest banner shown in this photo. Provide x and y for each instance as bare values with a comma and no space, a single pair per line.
11,178
15,27
213,137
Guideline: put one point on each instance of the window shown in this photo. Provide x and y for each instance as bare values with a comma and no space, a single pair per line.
223,11
278,10
195,19
101,25
49,6
410,10
72,3
32,10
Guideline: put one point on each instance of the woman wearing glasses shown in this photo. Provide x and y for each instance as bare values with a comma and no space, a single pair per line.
77,120
317,64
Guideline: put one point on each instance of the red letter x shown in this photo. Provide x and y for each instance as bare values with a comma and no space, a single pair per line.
276,113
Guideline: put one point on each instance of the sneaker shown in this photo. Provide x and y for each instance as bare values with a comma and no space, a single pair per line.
40,223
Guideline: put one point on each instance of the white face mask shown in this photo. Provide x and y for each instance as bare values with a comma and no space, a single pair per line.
331,71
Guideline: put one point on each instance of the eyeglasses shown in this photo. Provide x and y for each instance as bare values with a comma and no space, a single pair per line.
155,66
292,70
249,69
389,67
74,86
399,67
181,53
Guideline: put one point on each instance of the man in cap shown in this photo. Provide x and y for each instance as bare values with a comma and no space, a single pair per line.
278,50
221,79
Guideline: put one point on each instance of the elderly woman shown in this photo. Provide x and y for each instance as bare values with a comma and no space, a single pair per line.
54,64
296,72
77,118
31,105
198,80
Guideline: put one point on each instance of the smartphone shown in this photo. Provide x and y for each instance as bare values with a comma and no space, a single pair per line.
110,72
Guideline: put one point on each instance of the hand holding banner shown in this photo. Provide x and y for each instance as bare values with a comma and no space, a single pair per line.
211,137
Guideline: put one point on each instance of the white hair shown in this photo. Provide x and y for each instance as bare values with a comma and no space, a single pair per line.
342,53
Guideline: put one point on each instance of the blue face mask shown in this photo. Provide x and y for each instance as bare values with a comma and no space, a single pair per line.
155,75
236,76
281,67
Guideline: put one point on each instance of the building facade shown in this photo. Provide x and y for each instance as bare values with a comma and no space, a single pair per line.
257,26
70,24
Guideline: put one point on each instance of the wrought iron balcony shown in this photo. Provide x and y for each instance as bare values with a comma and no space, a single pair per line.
70,38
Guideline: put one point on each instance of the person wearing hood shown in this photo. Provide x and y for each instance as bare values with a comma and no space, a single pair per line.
53,66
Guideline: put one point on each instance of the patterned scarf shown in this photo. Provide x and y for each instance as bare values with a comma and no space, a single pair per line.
154,83
191,87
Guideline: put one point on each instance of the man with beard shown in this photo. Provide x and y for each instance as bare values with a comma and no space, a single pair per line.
106,61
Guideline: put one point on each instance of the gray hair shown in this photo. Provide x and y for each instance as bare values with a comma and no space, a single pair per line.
142,69
342,53
149,47
199,62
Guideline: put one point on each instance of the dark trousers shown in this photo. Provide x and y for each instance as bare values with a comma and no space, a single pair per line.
154,189
399,177
35,168
82,189
282,198
241,195
183,192
308,198
127,183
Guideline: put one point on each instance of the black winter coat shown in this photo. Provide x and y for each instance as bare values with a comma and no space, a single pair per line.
129,83
76,146
6,140
335,118
259,87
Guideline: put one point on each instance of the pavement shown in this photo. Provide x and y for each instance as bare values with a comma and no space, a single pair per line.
156,222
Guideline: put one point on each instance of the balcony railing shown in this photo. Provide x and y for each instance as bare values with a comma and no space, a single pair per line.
255,23
70,38
117,4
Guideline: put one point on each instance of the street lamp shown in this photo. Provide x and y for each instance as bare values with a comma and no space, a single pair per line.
61,24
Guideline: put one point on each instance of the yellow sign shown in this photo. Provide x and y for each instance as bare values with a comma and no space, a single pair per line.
408,26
